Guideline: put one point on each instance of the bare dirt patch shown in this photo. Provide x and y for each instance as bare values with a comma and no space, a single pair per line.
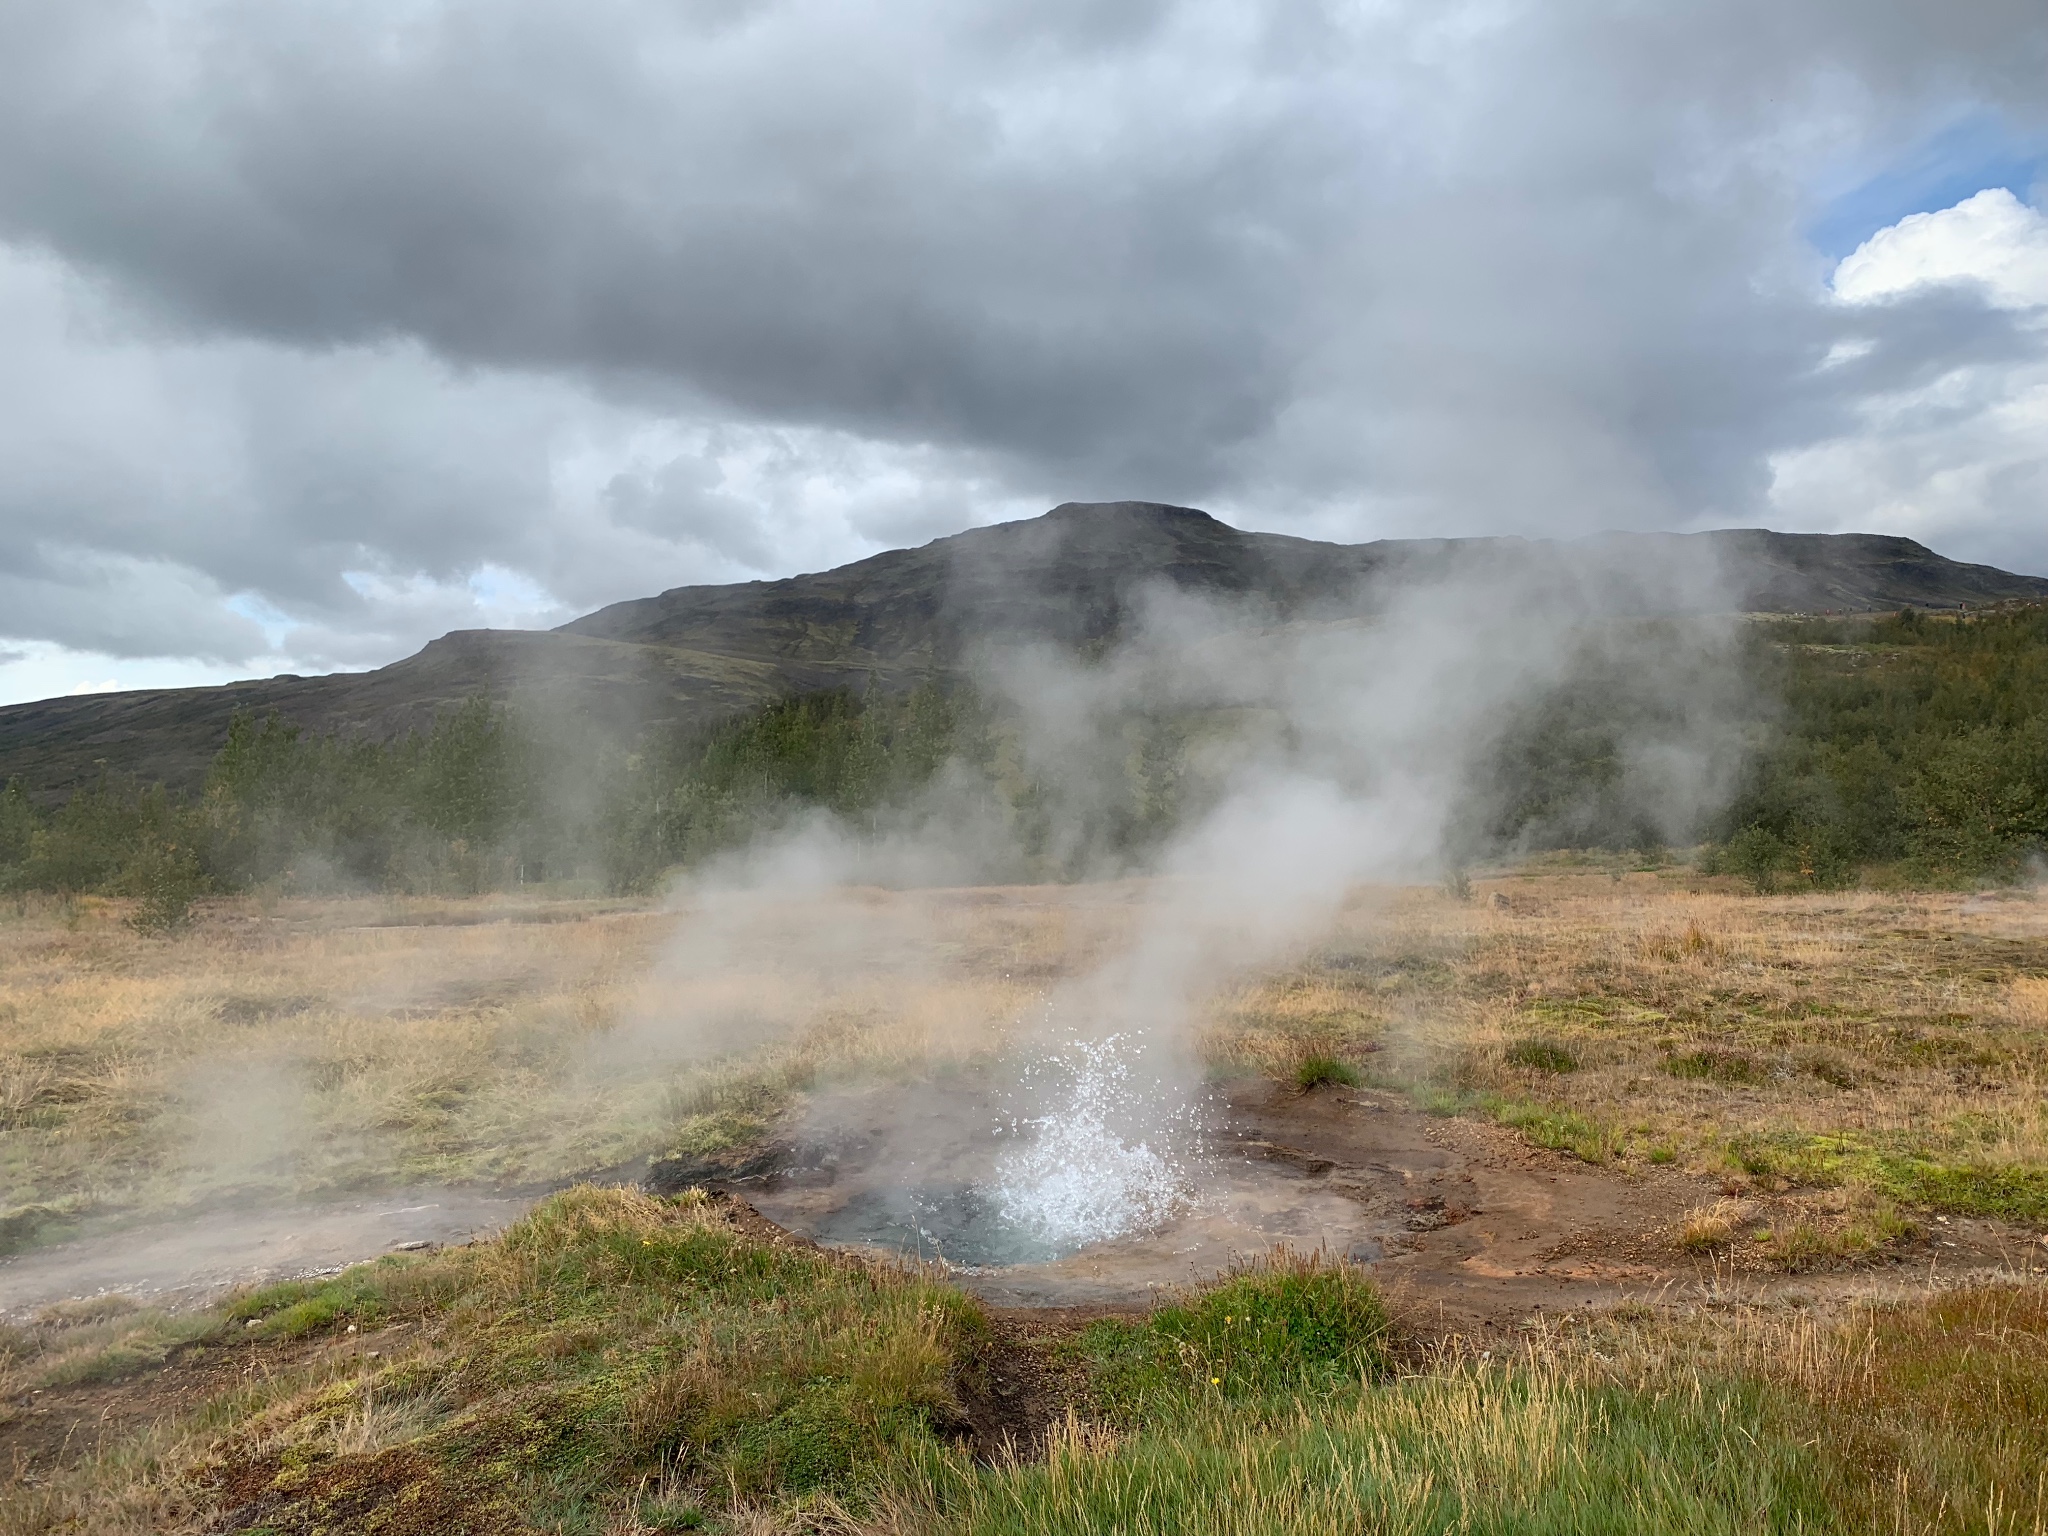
1471,1229
205,1254
44,1430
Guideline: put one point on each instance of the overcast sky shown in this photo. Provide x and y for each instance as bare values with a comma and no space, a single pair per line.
330,325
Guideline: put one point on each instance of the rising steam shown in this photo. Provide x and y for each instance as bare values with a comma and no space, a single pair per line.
1329,753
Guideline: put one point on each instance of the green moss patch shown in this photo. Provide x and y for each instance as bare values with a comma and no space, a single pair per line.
1916,1176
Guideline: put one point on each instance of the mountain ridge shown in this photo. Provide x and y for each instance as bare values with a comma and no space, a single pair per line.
691,655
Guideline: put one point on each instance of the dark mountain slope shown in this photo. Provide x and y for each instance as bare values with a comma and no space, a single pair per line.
1066,577
171,734
1841,572
694,654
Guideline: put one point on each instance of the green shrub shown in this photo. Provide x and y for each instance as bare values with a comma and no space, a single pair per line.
1320,1071
165,878
1909,740
1714,1064
1758,855
1540,1055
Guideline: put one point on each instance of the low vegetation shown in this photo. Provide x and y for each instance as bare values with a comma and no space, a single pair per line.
1846,1068
611,1355
293,1049
1835,1047
1910,749
1842,1048
1914,744
621,1364
1321,1071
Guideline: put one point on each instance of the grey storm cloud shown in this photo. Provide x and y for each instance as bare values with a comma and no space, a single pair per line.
614,293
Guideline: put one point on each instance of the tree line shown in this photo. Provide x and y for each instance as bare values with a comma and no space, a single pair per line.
486,798
1915,745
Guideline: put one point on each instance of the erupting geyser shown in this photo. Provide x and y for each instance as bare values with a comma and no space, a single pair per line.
1105,1163
1085,1148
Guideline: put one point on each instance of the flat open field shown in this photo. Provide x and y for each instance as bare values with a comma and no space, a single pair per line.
1876,1052
1618,1125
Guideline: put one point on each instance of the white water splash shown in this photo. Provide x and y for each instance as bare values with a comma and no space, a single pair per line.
1081,1174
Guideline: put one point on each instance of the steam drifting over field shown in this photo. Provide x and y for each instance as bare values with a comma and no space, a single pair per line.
1318,755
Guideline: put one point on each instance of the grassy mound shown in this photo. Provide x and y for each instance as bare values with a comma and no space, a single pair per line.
1285,1325
1322,1071
619,1364
612,1350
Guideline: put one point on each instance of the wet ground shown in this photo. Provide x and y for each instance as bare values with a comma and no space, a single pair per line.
206,1253
1465,1224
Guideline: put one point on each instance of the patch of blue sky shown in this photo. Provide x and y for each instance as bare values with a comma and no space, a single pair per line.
36,669
508,595
1964,158
273,621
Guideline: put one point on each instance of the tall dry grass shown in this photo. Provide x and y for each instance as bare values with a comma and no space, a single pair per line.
290,1048
294,1047
1683,1020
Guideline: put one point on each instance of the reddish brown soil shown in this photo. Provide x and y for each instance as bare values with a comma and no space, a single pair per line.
1500,1230
42,1430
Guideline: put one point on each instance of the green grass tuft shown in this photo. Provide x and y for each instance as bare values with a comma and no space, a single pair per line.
1287,1324
1562,1130
1474,1449
1542,1055
1325,1072
1711,1064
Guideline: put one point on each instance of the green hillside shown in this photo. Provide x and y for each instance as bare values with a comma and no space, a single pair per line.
1910,746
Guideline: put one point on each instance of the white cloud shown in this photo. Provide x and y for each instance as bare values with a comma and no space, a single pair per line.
1992,239
326,327
43,671
255,507
1959,459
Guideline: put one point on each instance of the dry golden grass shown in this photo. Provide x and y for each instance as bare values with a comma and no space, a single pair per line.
1712,1226
1689,1019
293,1047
